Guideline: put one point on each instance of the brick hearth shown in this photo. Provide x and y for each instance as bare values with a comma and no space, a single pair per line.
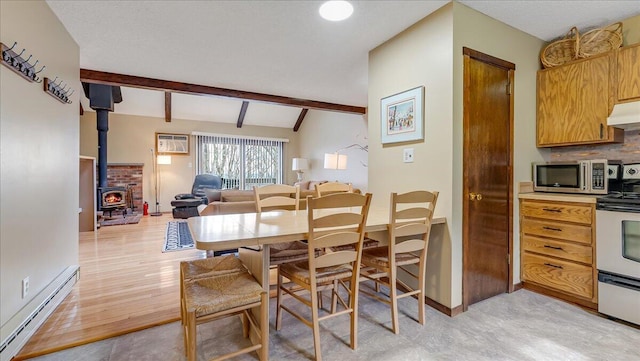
125,174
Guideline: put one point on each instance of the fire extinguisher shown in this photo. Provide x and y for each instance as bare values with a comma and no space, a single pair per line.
145,209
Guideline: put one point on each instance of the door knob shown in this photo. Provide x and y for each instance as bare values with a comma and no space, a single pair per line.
472,196
479,196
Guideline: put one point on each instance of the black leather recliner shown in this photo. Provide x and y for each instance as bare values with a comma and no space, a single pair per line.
186,204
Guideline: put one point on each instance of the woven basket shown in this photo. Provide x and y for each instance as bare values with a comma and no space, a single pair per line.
600,40
561,51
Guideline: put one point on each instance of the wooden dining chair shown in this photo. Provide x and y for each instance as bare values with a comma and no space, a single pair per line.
332,187
337,187
409,227
280,197
331,224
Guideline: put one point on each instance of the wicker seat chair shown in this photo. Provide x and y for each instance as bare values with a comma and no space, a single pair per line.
327,269
409,227
223,295
206,267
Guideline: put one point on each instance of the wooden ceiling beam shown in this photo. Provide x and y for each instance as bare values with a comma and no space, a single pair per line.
243,112
303,114
167,107
101,77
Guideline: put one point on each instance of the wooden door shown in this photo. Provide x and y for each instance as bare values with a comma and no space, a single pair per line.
487,176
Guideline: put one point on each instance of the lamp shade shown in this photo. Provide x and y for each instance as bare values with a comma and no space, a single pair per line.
335,161
299,164
164,159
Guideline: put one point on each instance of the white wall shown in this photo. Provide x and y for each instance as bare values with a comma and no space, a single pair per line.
326,132
419,56
39,159
429,53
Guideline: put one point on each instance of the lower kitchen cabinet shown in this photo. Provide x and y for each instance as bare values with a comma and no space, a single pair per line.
557,243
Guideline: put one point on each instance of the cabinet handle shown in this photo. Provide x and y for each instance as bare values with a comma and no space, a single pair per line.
551,210
552,265
601,130
552,229
552,247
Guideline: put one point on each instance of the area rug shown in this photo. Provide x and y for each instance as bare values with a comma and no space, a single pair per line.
177,237
119,220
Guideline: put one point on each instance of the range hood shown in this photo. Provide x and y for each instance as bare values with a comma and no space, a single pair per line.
625,116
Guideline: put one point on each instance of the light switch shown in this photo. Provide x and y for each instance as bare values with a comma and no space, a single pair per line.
189,165
408,155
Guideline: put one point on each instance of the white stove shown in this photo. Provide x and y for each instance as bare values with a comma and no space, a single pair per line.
618,248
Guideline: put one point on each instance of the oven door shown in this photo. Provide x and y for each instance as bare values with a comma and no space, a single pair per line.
618,243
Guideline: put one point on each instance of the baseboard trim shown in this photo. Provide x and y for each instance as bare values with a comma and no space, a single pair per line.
451,312
26,322
518,286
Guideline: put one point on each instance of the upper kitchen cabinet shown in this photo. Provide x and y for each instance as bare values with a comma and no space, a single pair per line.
629,73
574,101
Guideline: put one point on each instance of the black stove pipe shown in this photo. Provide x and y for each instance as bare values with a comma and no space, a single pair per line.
103,127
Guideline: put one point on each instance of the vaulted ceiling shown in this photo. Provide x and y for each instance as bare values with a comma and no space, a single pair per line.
278,48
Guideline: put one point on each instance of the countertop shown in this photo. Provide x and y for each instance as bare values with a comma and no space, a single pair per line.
559,197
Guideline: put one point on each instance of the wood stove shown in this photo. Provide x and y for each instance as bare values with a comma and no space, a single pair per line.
112,198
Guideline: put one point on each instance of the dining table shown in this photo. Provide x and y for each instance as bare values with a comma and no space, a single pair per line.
252,233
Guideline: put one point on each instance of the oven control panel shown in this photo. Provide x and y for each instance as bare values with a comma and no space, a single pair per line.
631,171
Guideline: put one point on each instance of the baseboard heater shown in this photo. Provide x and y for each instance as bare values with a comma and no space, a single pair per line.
36,312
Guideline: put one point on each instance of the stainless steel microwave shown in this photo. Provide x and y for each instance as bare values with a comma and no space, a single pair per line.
583,176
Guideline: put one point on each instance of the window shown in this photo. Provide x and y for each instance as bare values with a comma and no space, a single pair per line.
241,162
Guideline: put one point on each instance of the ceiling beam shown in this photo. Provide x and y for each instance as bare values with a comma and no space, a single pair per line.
101,77
303,114
167,107
243,112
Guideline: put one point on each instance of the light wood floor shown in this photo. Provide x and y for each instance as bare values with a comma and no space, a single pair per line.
126,284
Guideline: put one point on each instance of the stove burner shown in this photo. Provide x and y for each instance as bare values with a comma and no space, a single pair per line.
620,201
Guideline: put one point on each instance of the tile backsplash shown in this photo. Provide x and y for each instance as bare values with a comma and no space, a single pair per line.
627,152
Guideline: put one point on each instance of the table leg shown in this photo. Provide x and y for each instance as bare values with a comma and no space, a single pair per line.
258,264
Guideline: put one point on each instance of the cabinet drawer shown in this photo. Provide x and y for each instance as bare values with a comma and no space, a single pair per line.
558,211
565,231
564,276
549,247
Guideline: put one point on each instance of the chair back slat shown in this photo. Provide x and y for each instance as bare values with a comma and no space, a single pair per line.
336,258
276,197
411,213
410,245
335,239
332,187
410,229
337,220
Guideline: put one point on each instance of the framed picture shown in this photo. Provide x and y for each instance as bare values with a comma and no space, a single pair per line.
175,144
402,116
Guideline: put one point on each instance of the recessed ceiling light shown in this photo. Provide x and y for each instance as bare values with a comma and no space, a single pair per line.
336,10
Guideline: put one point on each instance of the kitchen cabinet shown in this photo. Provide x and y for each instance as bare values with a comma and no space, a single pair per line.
557,245
629,73
574,101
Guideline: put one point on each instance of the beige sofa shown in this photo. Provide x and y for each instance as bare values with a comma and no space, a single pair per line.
230,201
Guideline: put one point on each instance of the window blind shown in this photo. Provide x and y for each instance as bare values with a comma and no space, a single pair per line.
241,162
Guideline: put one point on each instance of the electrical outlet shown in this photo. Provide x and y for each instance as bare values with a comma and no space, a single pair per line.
407,156
25,287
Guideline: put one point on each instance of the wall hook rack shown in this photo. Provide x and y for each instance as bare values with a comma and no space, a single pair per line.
19,65
57,90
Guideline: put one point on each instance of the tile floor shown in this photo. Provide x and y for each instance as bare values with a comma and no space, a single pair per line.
518,326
